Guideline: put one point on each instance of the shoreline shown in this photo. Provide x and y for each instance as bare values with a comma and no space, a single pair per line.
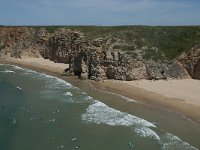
172,104
123,88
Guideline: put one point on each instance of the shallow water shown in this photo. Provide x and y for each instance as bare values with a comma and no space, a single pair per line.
42,112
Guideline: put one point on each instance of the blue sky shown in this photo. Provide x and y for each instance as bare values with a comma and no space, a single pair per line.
100,12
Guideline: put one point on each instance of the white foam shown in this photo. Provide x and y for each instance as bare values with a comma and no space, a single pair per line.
17,67
30,71
88,97
24,69
172,142
128,99
69,100
68,94
100,113
55,79
124,97
5,65
19,88
7,71
84,93
146,132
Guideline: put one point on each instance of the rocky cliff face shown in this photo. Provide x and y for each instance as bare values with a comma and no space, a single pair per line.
18,42
95,58
59,45
191,62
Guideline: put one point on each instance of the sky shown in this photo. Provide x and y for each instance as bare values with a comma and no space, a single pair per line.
100,12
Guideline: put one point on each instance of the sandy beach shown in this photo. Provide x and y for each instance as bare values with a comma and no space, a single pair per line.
38,63
181,96
187,89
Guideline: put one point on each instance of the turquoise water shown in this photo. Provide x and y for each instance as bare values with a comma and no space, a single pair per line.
42,112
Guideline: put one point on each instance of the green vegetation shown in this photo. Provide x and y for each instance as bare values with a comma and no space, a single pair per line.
170,41
50,29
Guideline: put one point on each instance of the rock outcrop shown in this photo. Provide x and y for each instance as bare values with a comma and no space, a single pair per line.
191,62
18,42
60,45
94,59
164,70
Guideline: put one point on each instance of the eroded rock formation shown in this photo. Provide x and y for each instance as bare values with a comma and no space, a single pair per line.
18,42
93,59
191,62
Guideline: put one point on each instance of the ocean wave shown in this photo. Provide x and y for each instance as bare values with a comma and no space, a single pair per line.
124,97
172,142
88,97
19,88
44,76
7,71
128,99
6,65
55,80
146,132
26,70
68,94
16,67
69,100
100,113
75,96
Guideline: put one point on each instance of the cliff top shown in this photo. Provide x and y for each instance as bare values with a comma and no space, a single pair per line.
164,42
152,42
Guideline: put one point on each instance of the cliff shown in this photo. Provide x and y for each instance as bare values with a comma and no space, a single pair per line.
18,42
122,53
191,62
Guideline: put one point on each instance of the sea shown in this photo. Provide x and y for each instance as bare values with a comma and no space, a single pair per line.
42,112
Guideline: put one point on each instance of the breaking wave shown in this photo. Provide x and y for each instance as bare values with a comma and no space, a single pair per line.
7,71
146,132
100,113
16,67
124,97
68,94
172,142
55,81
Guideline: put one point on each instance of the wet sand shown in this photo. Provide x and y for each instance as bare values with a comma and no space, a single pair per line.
175,95
180,96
